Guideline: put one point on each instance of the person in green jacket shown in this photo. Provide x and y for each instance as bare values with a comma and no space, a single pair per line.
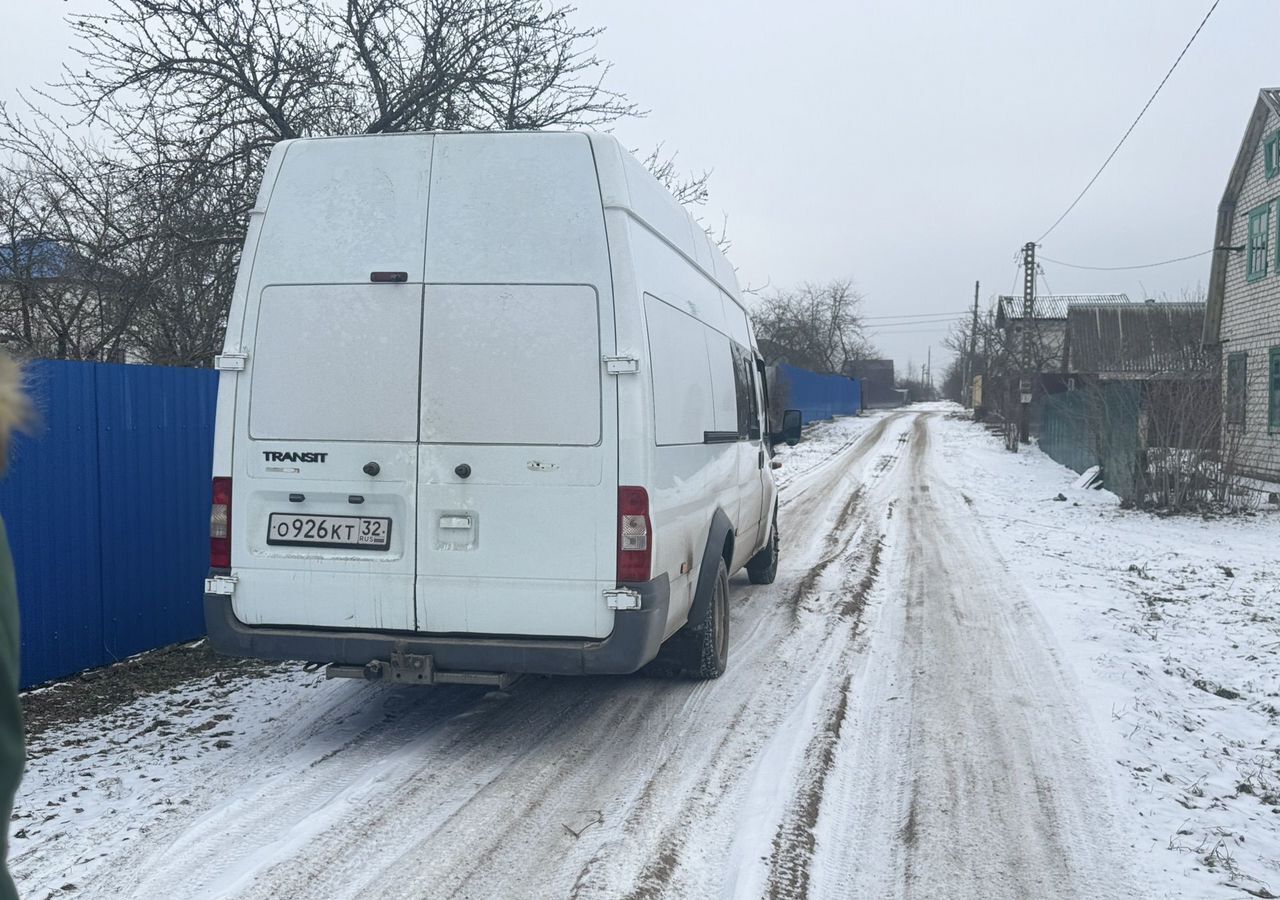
15,412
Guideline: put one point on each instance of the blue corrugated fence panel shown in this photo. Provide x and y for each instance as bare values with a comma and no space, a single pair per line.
106,508
820,396
155,445
49,501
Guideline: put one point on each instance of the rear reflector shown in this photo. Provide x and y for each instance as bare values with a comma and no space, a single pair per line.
220,525
635,548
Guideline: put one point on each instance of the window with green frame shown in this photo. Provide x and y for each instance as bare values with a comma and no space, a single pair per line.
1273,390
1236,375
1271,154
1259,241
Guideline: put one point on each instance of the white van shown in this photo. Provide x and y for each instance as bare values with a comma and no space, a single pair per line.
489,404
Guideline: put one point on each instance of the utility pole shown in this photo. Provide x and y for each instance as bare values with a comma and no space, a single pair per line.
928,378
967,393
1028,312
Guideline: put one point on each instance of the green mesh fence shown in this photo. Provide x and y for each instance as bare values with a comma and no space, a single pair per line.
1097,426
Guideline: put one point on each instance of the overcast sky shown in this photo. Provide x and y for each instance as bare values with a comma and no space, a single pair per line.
914,146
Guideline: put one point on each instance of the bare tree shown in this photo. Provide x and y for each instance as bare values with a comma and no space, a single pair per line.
917,388
998,360
953,379
265,70
64,218
690,189
818,327
185,98
115,256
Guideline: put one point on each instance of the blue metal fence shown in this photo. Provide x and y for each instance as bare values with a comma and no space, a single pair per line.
819,396
107,511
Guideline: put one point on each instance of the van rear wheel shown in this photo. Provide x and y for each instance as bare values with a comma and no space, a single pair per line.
763,567
701,648
710,637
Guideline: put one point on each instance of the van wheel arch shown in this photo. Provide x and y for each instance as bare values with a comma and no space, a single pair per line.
763,567
699,649
720,537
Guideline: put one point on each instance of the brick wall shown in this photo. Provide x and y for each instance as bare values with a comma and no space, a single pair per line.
1251,316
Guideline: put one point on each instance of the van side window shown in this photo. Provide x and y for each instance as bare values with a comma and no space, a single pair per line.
744,383
685,399
764,394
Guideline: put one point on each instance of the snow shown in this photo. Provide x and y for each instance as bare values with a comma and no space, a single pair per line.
957,686
1158,616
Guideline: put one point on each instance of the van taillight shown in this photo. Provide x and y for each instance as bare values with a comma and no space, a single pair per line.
634,534
220,525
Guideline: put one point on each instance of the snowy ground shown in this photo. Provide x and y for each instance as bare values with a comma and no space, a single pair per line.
957,687
1173,626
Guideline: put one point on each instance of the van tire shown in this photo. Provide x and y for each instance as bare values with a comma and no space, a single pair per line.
763,567
700,649
709,646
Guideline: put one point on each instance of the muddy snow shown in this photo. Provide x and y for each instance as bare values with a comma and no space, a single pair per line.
958,686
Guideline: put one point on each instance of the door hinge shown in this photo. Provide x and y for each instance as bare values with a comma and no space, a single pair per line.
622,598
232,361
621,365
223,585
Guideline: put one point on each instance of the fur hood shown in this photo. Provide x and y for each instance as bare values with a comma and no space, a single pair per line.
15,408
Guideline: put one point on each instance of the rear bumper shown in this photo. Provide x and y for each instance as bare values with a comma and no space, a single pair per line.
636,636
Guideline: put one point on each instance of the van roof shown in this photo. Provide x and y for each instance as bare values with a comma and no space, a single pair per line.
627,185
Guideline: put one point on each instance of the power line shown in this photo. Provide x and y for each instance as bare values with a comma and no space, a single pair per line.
940,320
1045,278
1058,262
883,325
1145,107
933,330
933,315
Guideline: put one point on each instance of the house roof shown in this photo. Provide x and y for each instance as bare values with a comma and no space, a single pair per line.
1267,104
870,369
1136,339
35,258
1052,306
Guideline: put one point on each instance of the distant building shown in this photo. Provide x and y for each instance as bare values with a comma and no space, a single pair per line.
1046,329
876,375
1136,341
1135,395
1243,319
53,301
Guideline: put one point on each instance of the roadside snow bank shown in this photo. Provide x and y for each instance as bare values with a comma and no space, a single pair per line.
1173,628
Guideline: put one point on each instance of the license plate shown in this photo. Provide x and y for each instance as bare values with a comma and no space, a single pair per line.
350,532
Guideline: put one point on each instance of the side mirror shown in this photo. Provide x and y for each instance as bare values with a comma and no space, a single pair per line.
791,423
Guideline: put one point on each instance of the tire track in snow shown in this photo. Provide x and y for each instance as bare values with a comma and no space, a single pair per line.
793,845
797,660
794,842
965,772
780,830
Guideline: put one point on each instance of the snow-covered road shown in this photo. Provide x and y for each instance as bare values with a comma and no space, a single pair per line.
897,721
966,763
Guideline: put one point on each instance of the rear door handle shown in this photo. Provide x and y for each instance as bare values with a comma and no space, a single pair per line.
761,458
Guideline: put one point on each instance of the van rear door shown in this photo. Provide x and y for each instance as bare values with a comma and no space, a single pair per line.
324,519
517,479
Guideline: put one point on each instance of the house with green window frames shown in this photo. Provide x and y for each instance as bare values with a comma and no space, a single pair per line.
1242,322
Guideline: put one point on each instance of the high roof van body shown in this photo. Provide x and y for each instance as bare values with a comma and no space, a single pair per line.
489,404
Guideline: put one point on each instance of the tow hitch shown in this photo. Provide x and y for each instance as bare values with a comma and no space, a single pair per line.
413,668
